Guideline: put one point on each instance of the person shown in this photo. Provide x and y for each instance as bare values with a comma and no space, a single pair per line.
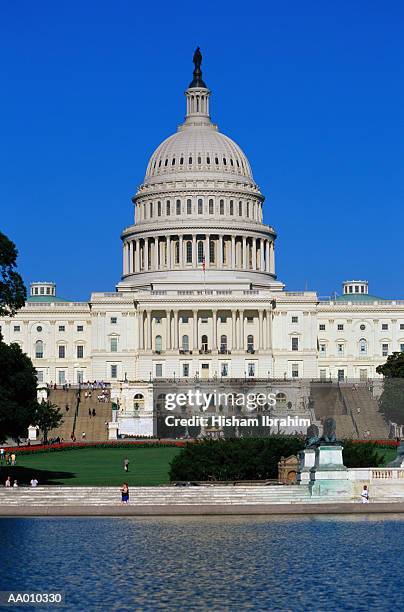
12,458
2,451
89,412
94,413
125,493
67,407
34,482
126,464
15,484
8,482
83,435
365,495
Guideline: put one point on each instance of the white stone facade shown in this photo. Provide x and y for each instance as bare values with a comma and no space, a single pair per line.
199,296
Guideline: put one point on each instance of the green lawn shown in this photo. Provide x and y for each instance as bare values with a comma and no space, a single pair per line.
95,466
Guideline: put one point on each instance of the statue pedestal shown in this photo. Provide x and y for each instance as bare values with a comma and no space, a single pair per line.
113,428
329,476
307,459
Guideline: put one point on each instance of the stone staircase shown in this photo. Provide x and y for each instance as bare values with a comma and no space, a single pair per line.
365,413
94,427
63,398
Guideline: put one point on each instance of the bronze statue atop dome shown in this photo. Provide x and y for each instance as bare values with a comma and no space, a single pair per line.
197,60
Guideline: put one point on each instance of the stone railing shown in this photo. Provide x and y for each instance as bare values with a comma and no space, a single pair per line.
378,475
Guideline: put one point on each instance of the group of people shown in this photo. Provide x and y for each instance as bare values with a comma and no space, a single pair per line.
14,484
7,458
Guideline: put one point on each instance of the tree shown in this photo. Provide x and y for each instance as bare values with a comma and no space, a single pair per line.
12,290
392,398
18,384
47,417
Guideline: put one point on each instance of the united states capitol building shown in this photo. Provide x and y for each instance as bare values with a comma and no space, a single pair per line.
199,297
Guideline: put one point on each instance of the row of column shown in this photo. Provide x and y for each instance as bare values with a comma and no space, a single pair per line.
167,252
236,340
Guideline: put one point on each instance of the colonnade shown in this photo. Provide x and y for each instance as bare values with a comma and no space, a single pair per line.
207,336
192,251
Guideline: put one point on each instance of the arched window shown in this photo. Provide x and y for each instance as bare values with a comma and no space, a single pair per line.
178,207
189,251
248,209
39,349
221,205
280,398
224,161
208,160
168,209
204,343
200,206
250,343
189,207
158,344
363,346
200,252
159,209
177,252
217,160
240,209
173,162
166,162
223,344
231,208
190,161
185,343
199,160
138,401
212,251
181,161
151,210
211,209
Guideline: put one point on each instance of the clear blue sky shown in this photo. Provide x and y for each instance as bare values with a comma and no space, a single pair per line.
312,91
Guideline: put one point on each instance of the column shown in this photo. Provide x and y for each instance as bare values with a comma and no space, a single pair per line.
207,251
260,330
244,253
262,261
175,339
233,252
267,256
220,255
131,257
168,330
194,253
181,249
241,330
146,254
233,330
149,329
124,259
168,241
272,258
214,321
269,329
141,328
137,256
254,253
195,331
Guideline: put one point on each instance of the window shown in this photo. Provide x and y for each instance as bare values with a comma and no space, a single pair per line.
62,328
61,377
185,370
200,206
114,371
151,206
295,370
189,251
224,369
251,369
184,319
204,343
159,209
211,209
62,351
158,344
250,343
200,252
185,343
401,348
212,251
295,344
159,370
157,320
223,319
340,327
177,252
80,328
323,349
114,345
80,351
39,328
178,207
401,325
385,327
341,374
39,349
340,349
204,319
168,208
321,327
240,209
221,207
385,350
362,327
223,344
363,346
189,207
231,207
295,319
39,375
17,328
323,374
114,320
250,319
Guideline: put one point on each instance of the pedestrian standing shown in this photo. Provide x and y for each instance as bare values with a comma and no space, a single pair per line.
8,482
126,464
125,493
12,458
365,495
2,451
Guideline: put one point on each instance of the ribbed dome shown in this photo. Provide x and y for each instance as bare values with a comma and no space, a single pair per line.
199,148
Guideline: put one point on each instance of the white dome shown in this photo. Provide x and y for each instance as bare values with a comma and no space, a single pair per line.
198,149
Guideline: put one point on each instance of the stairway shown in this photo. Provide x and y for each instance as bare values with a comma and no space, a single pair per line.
365,413
63,398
